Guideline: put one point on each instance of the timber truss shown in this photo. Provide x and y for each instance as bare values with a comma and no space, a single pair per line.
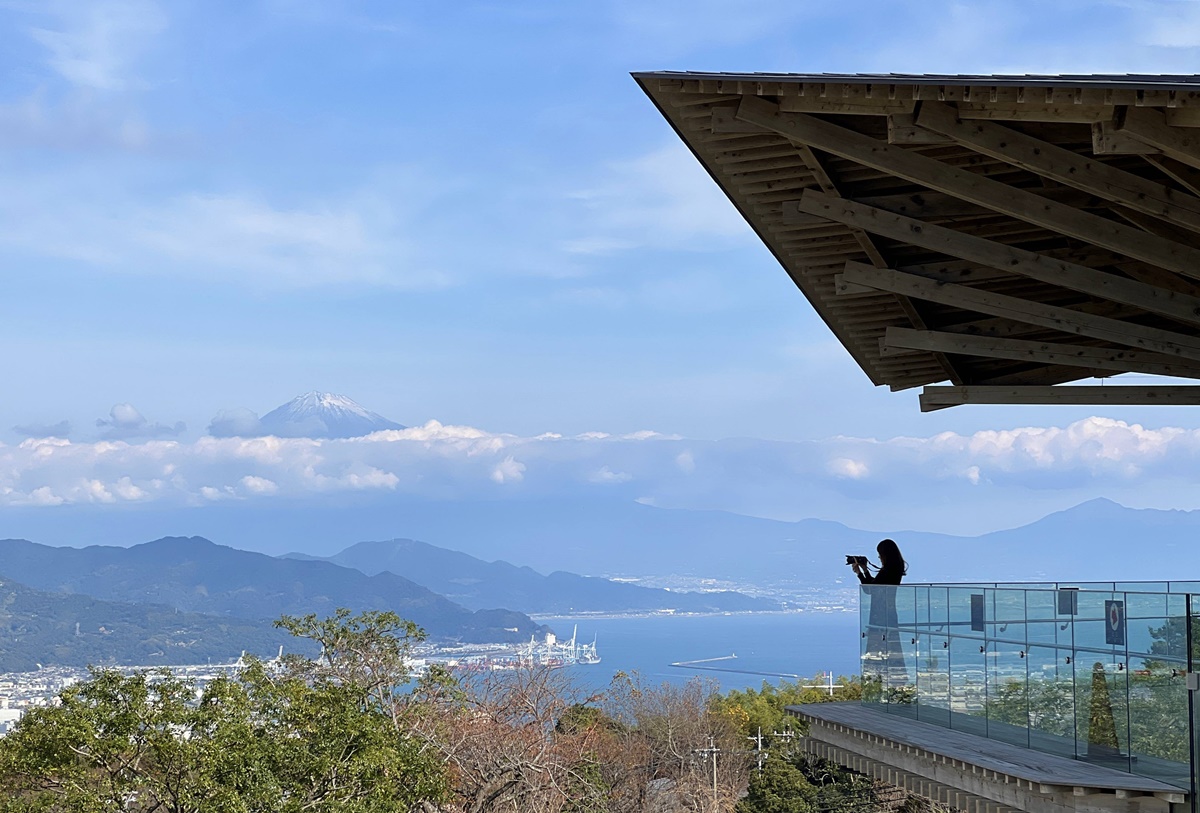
1002,234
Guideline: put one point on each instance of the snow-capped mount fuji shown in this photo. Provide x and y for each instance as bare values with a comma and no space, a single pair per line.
324,415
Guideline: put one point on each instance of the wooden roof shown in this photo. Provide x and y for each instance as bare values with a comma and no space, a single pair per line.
1003,234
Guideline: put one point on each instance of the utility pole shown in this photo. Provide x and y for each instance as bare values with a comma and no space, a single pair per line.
760,753
704,753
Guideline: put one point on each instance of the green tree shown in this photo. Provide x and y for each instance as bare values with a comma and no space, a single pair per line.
790,780
322,738
780,787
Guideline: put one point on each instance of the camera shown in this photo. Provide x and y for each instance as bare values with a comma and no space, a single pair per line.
862,560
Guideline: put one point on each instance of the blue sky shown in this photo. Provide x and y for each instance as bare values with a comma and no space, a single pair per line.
469,213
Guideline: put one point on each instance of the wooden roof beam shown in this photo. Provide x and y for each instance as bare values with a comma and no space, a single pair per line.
1150,126
1103,358
1028,111
826,181
998,255
999,197
1064,166
846,106
934,398
858,276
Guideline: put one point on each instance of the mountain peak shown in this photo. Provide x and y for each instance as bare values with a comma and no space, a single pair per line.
324,415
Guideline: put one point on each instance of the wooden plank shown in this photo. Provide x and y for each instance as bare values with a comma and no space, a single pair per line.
970,186
1066,167
942,397
1183,116
1150,126
934,205
903,129
724,121
1182,174
1052,317
1075,113
826,181
846,106
928,741
1006,258
1106,140
1117,360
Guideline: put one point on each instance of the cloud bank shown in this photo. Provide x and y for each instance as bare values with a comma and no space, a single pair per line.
906,477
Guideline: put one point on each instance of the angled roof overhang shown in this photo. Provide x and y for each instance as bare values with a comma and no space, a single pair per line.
1002,234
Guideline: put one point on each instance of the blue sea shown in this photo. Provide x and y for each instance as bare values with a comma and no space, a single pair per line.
774,645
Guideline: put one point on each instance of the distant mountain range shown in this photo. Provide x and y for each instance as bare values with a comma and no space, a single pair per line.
75,630
323,415
453,593
187,600
477,584
1095,540
196,575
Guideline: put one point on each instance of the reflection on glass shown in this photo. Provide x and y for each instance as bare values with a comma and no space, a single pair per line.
1083,671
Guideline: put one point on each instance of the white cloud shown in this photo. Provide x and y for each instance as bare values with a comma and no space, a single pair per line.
95,43
606,475
125,422
508,471
686,462
845,467
855,479
258,485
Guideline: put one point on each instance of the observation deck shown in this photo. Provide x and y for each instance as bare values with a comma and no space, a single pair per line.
1039,697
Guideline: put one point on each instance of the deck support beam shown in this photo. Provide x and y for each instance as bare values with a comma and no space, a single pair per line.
940,397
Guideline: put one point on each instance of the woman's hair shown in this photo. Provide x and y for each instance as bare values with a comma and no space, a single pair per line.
889,554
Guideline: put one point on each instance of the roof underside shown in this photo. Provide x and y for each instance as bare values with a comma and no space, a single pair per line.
1002,234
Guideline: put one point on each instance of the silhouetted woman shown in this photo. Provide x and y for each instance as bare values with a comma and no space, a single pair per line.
884,655
892,566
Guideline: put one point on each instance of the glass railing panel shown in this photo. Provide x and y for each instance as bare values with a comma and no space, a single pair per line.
1091,622
1099,675
1147,623
1007,693
1192,647
1041,606
871,649
968,685
933,679
1160,588
902,651
968,612
1006,617
1158,720
1101,719
1051,700
1044,633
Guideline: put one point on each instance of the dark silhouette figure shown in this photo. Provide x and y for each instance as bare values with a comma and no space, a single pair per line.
892,566
883,659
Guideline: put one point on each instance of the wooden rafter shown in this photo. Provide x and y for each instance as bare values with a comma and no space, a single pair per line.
997,255
856,277
1064,166
826,181
971,186
934,398
1119,360
1150,126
